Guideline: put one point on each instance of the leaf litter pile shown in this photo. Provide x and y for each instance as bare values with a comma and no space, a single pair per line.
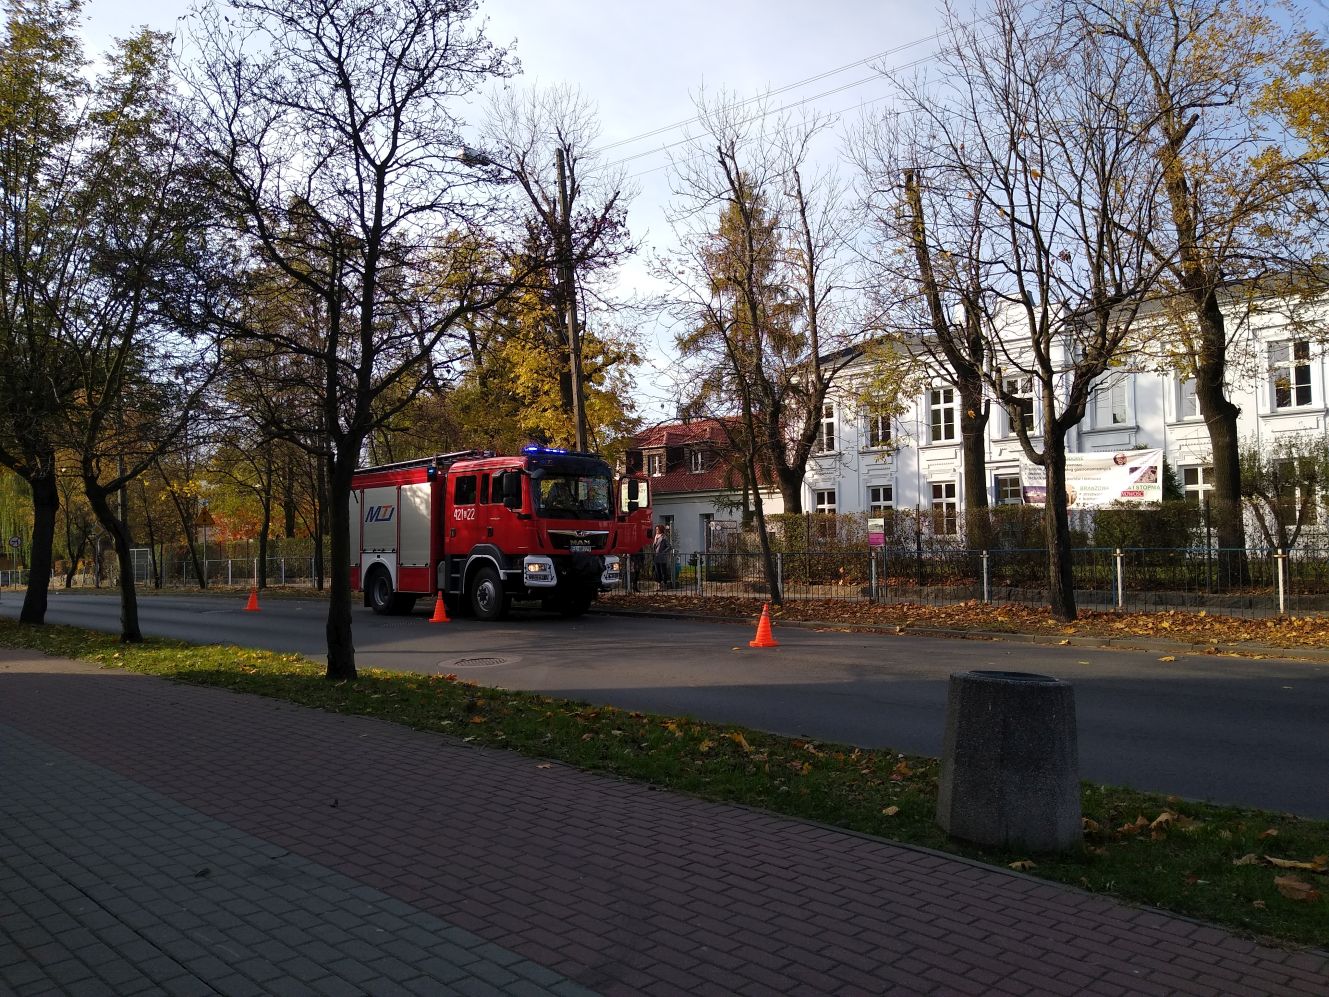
1207,631
1261,873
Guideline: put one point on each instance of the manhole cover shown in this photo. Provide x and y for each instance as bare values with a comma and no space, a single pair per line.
473,663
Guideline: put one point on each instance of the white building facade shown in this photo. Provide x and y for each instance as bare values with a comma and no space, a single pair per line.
869,463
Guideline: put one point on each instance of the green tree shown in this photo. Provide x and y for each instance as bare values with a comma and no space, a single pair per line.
42,93
1230,218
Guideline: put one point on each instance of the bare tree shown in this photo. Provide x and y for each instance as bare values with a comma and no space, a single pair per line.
768,232
1041,129
542,141
930,273
330,124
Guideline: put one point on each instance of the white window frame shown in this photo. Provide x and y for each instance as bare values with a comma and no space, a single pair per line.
1197,482
883,501
655,464
824,500
945,502
1023,388
1106,415
943,415
1285,366
877,431
826,431
997,482
1188,402
697,461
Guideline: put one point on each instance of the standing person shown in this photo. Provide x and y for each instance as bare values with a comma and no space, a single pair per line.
662,550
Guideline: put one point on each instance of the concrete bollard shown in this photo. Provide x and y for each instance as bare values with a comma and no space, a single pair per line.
1010,762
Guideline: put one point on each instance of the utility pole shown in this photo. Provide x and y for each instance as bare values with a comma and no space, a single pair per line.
570,288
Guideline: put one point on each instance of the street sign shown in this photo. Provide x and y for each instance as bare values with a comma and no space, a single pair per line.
15,542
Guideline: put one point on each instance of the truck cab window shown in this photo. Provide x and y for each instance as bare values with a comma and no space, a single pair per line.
464,493
573,496
484,489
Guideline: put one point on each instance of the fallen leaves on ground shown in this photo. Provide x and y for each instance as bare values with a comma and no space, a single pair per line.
1207,630
1296,889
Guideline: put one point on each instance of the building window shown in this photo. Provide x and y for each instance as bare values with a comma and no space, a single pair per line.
697,461
1197,483
1290,373
655,464
1188,402
826,434
945,511
1023,405
1110,405
881,499
1008,489
879,429
941,406
826,500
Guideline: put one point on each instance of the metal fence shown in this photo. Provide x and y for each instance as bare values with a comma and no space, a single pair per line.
1251,582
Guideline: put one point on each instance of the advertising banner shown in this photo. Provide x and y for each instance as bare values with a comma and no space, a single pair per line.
1095,480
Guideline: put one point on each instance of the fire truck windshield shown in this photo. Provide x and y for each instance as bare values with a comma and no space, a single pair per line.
571,496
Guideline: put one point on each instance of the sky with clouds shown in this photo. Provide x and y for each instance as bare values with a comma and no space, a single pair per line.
642,64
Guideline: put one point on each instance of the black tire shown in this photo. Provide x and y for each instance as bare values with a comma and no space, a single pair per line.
379,594
488,600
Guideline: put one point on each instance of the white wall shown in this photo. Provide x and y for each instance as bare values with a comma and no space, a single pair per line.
1153,420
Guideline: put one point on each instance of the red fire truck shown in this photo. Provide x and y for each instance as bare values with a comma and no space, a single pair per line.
486,529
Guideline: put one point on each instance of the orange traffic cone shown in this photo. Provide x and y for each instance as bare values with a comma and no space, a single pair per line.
252,605
440,611
764,638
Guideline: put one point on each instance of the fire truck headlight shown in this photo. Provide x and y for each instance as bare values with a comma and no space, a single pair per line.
613,567
538,572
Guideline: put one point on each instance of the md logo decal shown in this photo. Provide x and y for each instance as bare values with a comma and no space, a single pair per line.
380,513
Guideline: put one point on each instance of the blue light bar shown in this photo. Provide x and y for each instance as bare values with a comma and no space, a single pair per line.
533,449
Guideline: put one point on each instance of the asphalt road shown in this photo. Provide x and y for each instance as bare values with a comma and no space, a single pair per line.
1252,732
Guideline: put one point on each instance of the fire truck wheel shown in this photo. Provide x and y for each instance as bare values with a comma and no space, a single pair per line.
378,590
488,600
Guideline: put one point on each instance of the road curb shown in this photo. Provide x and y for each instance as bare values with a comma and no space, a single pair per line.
1316,654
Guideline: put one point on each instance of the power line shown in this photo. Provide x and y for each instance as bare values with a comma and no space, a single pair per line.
773,93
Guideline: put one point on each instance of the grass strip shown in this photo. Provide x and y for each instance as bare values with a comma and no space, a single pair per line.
1260,873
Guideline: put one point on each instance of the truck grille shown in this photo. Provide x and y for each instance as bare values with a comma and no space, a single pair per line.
589,540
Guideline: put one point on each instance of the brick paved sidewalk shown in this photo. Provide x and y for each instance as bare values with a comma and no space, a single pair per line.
159,838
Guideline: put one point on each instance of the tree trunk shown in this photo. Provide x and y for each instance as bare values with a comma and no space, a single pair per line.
1220,418
99,499
791,488
75,554
45,507
973,447
341,648
288,499
767,559
265,525
1057,532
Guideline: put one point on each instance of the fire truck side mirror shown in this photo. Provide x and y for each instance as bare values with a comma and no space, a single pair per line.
512,490
634,493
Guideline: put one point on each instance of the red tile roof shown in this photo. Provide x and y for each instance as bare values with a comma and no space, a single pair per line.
717,476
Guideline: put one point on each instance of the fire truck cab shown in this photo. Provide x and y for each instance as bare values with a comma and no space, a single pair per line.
484,530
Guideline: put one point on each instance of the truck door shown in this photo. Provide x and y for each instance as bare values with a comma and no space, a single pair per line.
464,528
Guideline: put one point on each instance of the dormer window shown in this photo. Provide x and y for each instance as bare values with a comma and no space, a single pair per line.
697,461
655,464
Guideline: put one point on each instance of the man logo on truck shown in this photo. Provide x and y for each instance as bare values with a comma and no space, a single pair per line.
380,513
